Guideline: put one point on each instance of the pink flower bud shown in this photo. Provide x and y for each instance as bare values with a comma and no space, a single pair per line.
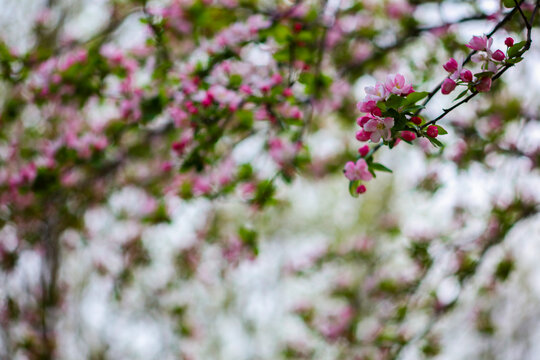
448,86
363,135
361,189
364,150
432,131
287,92
408,135
466,75
361,121
498,55
484,85
377,112
509,42
451,66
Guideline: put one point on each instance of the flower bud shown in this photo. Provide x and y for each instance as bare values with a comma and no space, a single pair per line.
363,151
509,42
363,135
432,131
448,86
466,75
361,189
484,85
408,135
416,120
498,55
451,66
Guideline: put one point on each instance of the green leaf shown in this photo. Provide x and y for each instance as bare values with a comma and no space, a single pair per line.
435,142
353,185
514,50
484,74
509,3
413,108
380,167
461,94
394,102
514,61
414,97
442,131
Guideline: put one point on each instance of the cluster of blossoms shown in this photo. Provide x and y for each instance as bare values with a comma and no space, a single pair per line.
491,62
375,126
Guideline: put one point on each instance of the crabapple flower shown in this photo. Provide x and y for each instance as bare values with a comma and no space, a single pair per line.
367,106
397,85
509,42
376,93
448,86
357,171
480,43
379,128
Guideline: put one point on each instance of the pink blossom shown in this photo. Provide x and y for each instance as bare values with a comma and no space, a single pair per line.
379,128
282,151
480,43
397,85
367,106
357,171
377,92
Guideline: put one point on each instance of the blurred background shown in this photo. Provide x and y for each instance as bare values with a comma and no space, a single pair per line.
438,259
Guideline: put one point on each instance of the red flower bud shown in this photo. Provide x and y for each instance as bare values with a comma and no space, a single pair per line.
377,112
432,131
509,42
408,135
361,189
498,55
364,150
466,75
451,66
416,120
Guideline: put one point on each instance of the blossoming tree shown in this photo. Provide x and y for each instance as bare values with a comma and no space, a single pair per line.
180,104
